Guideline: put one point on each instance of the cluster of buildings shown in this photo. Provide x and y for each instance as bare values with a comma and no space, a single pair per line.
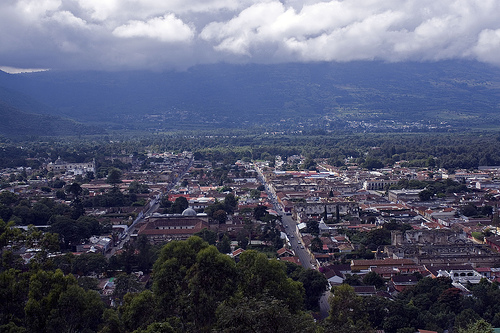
442,241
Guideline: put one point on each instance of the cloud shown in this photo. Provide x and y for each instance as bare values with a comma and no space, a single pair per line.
179,33
166,29
488,46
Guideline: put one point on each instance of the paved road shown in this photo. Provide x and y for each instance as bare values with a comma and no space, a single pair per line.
324,305
305,258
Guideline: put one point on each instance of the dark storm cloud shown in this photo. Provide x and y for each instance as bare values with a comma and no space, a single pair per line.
156,34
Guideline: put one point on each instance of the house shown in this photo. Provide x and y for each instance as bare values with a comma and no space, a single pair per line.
364,264
493,242
161,230
284,252
457,273
401,282
485,272
334,277
294,260
236,253
365,290
335,274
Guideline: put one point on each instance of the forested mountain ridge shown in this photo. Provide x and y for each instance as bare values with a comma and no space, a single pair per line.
366,96
22,124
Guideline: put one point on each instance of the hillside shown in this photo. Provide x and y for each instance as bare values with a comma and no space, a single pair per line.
16,123
371,96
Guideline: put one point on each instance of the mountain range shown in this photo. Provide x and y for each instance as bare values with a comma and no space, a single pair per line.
357,96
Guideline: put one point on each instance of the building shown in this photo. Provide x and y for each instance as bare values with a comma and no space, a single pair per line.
378,184
404,195
175,227
74,168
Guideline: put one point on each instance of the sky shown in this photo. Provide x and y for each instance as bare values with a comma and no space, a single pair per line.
177,34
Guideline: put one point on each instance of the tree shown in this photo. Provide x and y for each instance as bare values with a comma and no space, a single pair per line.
316,244
208,236
263,314
425,195
179,205
259,212
220,216
346,311
466,318
89,264
469,210
76,310
259,276
74,189
212,279
5,212
373,279
191,279
224,246
230,203
56,303
352,280
314,284
114,176
139,310
313,227
136,187
164,202
480,326
126,283
68,229
371,164
254,194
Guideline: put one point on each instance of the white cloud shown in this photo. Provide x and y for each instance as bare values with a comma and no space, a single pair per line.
488,46
31,10
101,10
67,19
166,29
138,33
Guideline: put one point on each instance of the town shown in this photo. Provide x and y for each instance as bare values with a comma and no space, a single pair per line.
378,228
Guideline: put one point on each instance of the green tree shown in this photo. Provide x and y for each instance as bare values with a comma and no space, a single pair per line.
220,216
480,326
74,189
76,310
224,246
208,236
191,279
263,314
314,284
179,205
316,244
56,302
89,263
139,310
466,318
346,312
230,203
259,212
114,176
259,275
126,283
211,280
373,279
313,227
425,195
14,286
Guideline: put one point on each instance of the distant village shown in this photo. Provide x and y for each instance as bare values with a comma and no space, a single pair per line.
451,234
